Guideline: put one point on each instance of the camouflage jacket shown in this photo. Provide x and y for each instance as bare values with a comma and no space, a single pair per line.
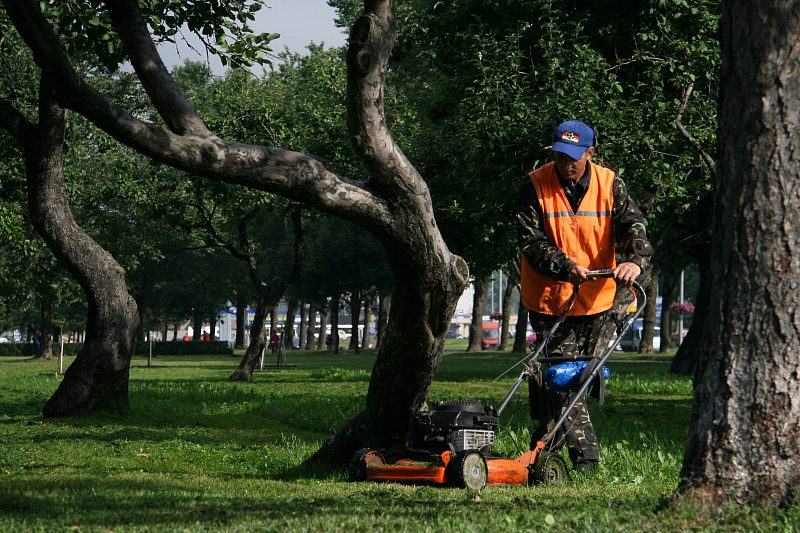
547,260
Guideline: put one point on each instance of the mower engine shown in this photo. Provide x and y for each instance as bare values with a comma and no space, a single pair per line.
455,425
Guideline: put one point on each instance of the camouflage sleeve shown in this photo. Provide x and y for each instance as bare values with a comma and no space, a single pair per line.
629,227
544,258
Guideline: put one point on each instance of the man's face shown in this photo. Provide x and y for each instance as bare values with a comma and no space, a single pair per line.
573,169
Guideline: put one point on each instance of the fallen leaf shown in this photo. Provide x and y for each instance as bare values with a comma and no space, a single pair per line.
477,498
76,528
142,455
7,472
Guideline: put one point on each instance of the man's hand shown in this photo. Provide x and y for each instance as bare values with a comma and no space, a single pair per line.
627,273
577,275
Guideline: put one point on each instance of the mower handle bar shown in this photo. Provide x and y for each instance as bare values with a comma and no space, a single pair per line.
528,370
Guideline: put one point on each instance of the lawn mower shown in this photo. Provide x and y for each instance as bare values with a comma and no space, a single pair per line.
450,445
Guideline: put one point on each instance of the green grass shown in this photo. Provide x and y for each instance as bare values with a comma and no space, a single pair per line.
199,453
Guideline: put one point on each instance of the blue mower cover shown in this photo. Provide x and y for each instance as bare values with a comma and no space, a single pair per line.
566,376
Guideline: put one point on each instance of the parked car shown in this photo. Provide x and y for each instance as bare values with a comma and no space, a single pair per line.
633,339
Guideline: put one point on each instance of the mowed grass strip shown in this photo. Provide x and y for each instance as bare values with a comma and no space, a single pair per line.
199,453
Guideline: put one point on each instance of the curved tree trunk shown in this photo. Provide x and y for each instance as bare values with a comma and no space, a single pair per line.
98,378
258,339
268,297
745,428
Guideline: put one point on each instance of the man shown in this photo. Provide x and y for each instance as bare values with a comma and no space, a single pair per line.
571,214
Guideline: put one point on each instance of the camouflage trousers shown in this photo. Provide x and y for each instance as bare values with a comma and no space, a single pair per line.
577,336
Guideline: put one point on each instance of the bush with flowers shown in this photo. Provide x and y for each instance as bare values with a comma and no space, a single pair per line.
684,308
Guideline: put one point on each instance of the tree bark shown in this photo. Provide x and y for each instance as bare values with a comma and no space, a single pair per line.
335,323
745,427
98,378
521,337
303,327
311,325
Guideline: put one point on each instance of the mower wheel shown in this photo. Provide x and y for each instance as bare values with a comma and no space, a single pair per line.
357,467
467,470
551,468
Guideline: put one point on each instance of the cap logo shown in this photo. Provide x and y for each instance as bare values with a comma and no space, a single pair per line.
570,136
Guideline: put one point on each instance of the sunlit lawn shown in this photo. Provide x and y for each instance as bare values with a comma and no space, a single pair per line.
199,453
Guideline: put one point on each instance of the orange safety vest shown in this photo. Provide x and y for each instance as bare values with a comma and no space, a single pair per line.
587,237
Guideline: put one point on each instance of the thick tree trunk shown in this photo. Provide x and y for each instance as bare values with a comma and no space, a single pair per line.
476,326
745,428
98,378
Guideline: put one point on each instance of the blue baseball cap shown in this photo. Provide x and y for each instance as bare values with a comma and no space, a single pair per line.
573,138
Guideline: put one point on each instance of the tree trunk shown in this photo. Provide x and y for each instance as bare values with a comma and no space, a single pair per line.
355,315
258,338
241,320
267,300
365,342
505,331
384,305
301,335
649,314
98,378
288,324
323,329
45,352
745,428
335,323
311,326
669,285
476,327
197,325
521,337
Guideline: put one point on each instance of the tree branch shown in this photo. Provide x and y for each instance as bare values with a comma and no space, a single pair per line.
685,102
291,174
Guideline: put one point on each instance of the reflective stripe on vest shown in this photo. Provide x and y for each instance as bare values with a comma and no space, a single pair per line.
586,236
